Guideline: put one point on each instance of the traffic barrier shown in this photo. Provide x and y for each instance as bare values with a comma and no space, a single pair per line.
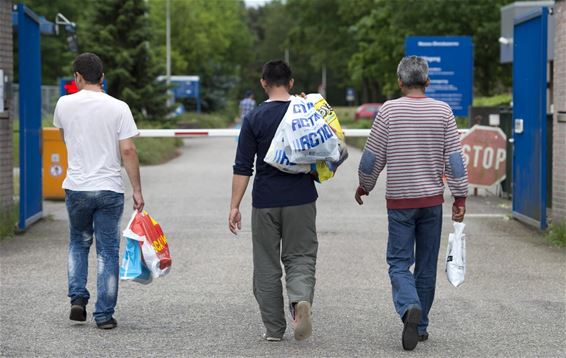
233,132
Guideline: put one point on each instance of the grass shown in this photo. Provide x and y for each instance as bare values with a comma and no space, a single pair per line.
205,120
493,101
153,151
556,233
8,220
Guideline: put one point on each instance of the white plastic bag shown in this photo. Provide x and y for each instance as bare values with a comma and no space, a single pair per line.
277,158
307,137
456,255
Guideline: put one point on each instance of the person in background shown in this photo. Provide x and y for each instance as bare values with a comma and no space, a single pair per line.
247,105
417,139
98,131
283,214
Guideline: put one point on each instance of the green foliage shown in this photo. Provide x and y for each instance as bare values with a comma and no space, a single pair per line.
209,38
56,58
497,100
462,122
360,42
556,233
119,32
345,114
381,31
8,220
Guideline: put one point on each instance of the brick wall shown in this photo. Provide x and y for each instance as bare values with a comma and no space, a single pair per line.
6,64
559,160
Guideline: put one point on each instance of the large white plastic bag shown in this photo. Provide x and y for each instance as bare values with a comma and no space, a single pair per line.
277,158
307,137
456,255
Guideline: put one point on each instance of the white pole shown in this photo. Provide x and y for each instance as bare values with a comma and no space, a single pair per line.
168,45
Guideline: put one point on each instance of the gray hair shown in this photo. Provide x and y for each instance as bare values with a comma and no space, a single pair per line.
413,71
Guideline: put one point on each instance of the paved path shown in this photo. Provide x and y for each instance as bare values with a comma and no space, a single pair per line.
512,304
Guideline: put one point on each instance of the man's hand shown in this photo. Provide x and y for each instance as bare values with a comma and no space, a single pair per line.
138,201
458,213
235,221
359,193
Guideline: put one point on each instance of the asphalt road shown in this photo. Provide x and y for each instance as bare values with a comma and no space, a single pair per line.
512,303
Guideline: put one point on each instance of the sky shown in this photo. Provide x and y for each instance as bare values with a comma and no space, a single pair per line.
255,3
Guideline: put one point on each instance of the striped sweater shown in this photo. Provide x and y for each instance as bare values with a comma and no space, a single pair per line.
417,138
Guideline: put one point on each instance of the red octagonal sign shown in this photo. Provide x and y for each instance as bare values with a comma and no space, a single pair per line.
485,153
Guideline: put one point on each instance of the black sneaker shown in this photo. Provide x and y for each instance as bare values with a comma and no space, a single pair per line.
423,337
410,336
111,323
78,310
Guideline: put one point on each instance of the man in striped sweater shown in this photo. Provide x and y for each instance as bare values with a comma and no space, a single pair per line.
417,138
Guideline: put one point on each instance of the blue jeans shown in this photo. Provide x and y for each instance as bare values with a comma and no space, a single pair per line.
414,238
98,213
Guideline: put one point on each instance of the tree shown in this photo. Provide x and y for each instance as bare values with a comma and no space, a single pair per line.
119,32
381,32
209,38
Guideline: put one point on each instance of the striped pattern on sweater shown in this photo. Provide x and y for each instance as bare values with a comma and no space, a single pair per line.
417,138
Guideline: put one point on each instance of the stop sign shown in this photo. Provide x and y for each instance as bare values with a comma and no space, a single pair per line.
485,153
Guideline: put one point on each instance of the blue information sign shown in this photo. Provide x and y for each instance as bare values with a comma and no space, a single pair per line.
451,64
185,87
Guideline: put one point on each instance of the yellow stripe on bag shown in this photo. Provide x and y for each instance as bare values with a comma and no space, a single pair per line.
330,117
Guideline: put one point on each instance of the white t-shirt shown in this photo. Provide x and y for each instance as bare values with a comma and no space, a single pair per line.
93,124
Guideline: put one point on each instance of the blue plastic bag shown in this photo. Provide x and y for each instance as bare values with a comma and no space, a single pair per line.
133,268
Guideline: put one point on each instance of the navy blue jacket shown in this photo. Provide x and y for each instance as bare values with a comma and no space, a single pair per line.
272,188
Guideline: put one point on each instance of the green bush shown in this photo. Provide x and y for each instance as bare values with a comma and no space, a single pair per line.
8,220
556,233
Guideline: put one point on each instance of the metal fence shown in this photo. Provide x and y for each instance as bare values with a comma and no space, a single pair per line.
49,97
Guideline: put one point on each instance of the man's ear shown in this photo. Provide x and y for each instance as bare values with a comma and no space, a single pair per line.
400,83
78,79
101,79
291,83
263,83
427,83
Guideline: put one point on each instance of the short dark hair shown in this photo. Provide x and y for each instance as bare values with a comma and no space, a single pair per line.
89,66
277,73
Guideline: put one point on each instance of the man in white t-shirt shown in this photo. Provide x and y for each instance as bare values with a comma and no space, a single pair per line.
98,131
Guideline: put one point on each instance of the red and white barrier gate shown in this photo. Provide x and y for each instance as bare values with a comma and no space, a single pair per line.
232,132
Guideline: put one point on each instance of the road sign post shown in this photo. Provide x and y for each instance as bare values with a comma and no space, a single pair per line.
485,153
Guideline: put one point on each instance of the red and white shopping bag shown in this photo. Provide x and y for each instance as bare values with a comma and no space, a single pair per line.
155,249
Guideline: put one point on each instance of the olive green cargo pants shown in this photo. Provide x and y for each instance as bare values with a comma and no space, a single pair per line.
286,234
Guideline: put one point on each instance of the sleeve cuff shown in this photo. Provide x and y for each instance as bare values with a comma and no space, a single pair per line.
247,173
461,201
